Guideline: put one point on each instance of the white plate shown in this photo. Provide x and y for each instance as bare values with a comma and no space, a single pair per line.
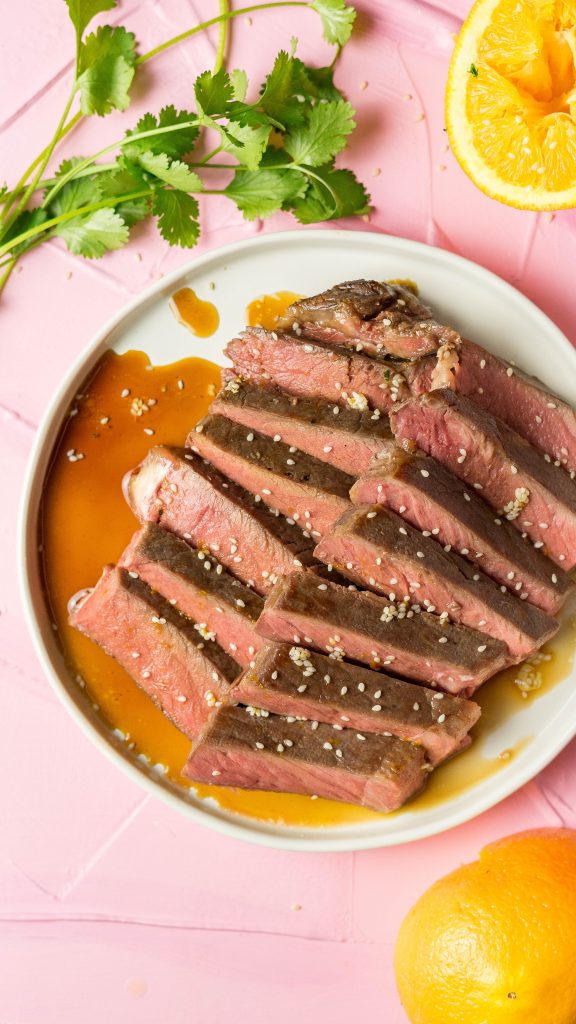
486,309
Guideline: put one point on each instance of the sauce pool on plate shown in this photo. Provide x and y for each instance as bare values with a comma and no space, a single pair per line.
126,406
198,315
266,309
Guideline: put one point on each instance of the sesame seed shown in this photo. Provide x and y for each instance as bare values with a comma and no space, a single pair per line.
266,491
327,448
124,393
215,773
466,496
339,753
258,745
441,718
361,687
327,746
378,694
554,578
377,707
302,688
424,472
482,647
416,707
443,640
277,437
371,515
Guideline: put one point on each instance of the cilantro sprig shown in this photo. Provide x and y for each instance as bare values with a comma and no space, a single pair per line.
278,143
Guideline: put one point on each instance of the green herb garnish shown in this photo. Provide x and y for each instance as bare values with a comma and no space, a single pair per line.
279,148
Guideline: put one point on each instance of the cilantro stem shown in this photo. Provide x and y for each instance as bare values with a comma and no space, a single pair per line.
7,272
70,215
74,171
31,187
214,21
222,36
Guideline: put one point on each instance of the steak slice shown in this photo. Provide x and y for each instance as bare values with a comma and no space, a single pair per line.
522,401
164,652
315,370
369,315
297,682
375,547
367,628
300,486
193,500
435,501
509,472
199,586
269,752
346,438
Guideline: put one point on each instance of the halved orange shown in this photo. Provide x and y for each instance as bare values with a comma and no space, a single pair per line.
511,101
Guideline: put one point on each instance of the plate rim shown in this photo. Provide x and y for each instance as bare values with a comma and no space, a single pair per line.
245,828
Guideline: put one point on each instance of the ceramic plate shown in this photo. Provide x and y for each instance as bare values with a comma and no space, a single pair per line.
484,308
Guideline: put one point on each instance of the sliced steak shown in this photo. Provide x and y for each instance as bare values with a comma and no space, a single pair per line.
510,474
376,548
268,752
435,501
185,674
297,682
315,370
300,486
199,586
369,315
344,437
523,402
193,500
367,628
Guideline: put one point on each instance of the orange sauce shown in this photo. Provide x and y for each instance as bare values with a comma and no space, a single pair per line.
86,523
266,309
199,316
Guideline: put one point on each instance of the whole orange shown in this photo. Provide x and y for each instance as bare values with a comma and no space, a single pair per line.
495,940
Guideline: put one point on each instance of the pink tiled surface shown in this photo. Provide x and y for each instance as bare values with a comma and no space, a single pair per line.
113,907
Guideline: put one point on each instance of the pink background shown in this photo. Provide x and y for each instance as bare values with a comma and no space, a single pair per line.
112,906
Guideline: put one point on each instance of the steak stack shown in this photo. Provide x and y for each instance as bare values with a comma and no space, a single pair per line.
375,517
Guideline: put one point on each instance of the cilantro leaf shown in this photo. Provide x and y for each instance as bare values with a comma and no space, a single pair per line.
126,178
324,134
263,192
93,234
239,80
175,173
213,92
26,220
285,89
107,43
247,144
177,215
106,64
322,79
82,11
337,194
174,144
77,192
337,20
